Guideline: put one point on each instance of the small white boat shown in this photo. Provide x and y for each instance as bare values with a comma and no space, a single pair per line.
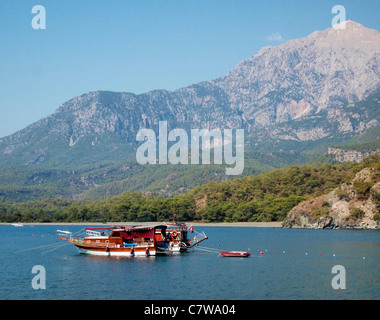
17,225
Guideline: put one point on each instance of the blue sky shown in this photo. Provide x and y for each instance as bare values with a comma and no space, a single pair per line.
140,45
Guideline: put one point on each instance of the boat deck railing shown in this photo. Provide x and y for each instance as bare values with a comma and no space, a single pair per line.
82,241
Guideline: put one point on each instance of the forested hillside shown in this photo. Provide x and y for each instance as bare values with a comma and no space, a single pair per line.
97,182
265,197
352,205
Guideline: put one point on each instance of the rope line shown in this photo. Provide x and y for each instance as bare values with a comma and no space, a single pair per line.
61,245
208,248
40,247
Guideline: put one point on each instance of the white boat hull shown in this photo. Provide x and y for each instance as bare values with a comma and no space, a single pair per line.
117,253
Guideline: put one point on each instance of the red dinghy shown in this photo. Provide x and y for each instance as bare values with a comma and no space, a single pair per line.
234,253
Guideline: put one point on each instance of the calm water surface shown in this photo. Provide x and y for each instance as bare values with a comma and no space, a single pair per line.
295,264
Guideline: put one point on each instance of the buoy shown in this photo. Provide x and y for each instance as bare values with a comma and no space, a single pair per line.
147,251
132,252
261,252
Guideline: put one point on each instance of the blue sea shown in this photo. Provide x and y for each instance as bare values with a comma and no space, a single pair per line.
284,264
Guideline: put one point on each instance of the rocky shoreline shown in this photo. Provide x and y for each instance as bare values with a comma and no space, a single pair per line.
352,205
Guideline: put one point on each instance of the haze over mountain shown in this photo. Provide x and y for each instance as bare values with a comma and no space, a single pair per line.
301,91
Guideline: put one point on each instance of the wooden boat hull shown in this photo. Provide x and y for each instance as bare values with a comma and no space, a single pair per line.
236,254
125,252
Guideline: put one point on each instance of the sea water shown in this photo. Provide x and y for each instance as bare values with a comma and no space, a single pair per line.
284,264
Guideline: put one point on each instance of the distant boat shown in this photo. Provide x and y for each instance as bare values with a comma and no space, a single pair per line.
17,225
234,254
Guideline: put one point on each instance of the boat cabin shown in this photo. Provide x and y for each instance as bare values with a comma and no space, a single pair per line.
127,236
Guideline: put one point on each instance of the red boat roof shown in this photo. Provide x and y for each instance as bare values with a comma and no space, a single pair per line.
100,228
127,228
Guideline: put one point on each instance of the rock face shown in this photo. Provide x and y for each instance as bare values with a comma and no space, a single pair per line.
310,214
305,76
342,155
303,90
353,205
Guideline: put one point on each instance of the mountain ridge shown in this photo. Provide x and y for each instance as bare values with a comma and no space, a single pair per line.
302,82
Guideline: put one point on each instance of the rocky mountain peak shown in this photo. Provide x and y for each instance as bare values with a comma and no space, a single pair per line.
353,35
325,69
315,76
